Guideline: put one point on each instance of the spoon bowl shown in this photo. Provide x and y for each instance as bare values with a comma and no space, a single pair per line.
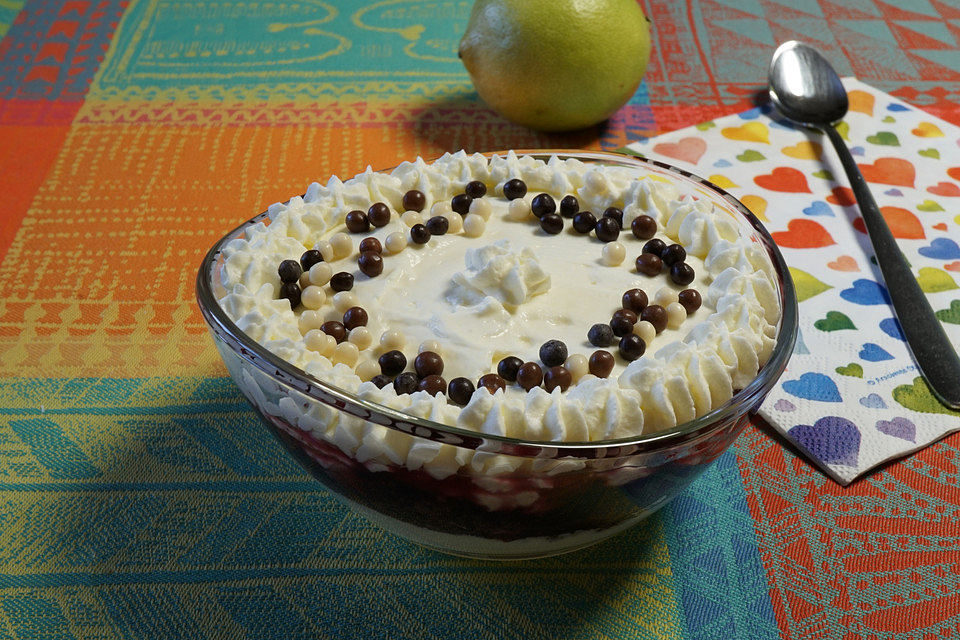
808,91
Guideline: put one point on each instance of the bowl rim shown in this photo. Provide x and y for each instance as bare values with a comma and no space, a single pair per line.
289,375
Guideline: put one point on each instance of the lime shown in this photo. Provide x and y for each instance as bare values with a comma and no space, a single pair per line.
556,65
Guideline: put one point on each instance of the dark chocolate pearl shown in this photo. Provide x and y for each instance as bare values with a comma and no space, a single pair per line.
673,253
631,347
551,223
355,317
600,335
616,213
310,258
392,362
628,314
492,383
406,383
419,234
438,225
475,189
341,281
334,329
601,363
643,227
357,222
690,299
635,300
508,367
428,363
378,214
380,380
584,222
291,291
370,244
607,230
529,375
655,246
543,204
370,263
460,390
433,385
682,273
553,353
414,200
513,189
655,315
569,206
622,321
557,377
649,264
461,203
289,271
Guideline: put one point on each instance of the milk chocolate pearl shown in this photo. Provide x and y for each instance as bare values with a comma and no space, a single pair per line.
438,225
335,330
655,315
419,234
673,253
460,390
629,314
492,383
341,281
690,299
357,221
557,377
515,188
370,263
649,264
616,213
553,353
355,317
682,273
584,222
370,244
433,385
310,258
380,380
607,229
414,200
291,291
631,347
601,363
622,322
428,363
529,375
378,214
508,367
569,206
551,223
289,271
392,362
405,383
461,203
643,227
655,246
475,189
635,300
542,204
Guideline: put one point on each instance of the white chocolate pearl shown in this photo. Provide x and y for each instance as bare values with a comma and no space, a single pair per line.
676,314
518,210
361,337
613,254
430,345
455,220
645,330
367,369
346,353
441,208
318,341
392,339
411,218
343,300
342,245
313,297
577,366
395,242
304,280
320,273
481,207
664,297
326,250
309,320
473,226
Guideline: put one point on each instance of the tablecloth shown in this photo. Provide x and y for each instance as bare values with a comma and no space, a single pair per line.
139,496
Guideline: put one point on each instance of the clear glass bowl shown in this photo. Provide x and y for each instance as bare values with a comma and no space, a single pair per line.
561,496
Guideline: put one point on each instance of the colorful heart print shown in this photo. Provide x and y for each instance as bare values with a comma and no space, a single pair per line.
895,171
904,224
687,149
813,386
832,439
803,234
784,180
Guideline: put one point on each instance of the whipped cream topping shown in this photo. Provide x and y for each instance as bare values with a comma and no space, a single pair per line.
494,270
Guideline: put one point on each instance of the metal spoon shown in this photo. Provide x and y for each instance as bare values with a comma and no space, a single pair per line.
806,89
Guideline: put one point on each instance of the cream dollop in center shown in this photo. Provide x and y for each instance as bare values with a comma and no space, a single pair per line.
497,271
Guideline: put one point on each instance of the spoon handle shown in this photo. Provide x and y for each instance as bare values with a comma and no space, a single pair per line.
935,355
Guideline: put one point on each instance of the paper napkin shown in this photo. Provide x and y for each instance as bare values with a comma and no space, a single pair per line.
851,397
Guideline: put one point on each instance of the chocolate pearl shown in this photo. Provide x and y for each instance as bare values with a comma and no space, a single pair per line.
378,214
438,225
682,273
334,329
643,227
475,189
553,353
357,222
515,188
569,206
355,317
428,363
370,244
557,377
529,375
601,363
370,263
673,253
616,213
607,230
508,367
631,347
635,300
310,258
649,264
419,234
551,223
414,200
461,203
289,271
584,222
655,246
655,315
492,383
291,291
392,362
543,204
433,385
406,383
690,299
341,281
600,335
460,390
622,322
627,314
380,380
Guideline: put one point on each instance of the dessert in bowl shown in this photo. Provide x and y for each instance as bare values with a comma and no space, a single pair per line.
504,355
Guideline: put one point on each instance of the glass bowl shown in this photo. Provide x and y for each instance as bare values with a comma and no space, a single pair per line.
550,497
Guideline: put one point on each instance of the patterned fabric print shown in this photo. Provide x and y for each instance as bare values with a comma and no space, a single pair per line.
8,11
